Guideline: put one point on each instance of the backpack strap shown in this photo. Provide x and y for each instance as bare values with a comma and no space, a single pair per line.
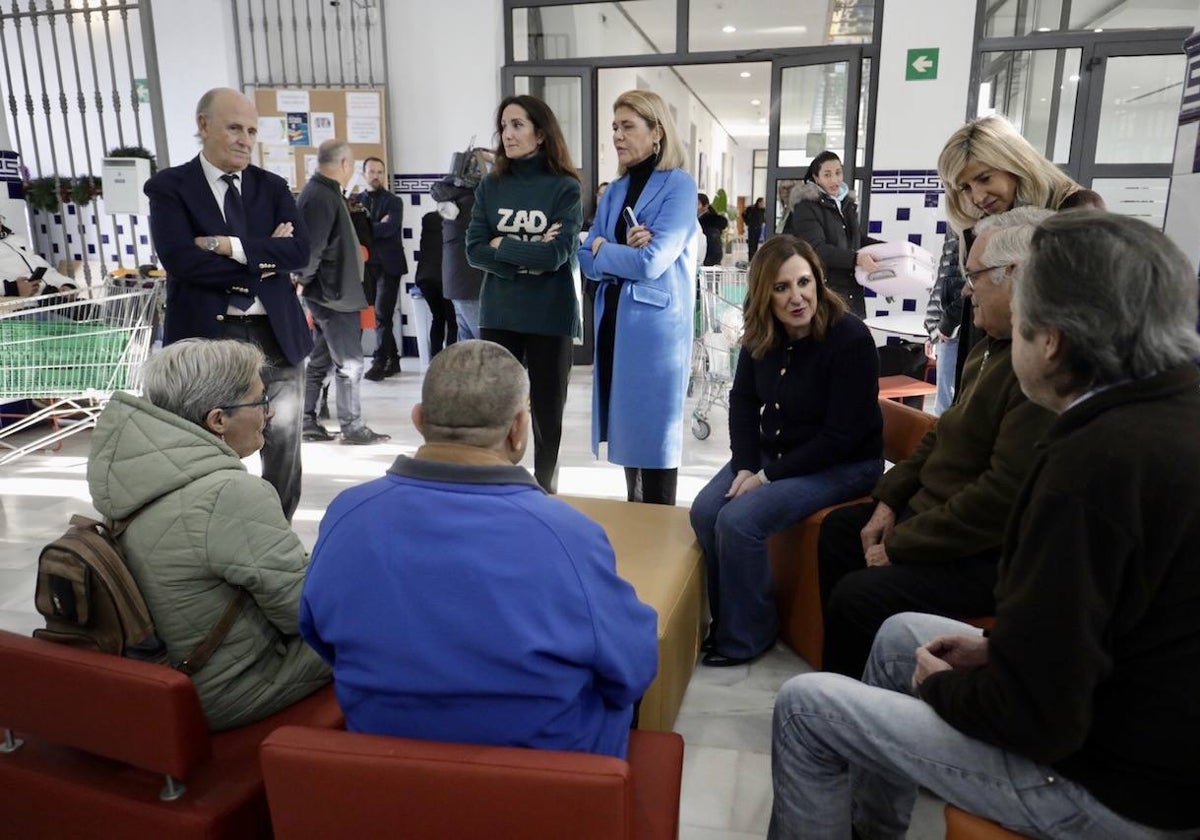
199,657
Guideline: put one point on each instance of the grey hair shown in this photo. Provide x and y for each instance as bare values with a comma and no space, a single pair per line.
472,392
192,377
1011,233
1120,292
332,151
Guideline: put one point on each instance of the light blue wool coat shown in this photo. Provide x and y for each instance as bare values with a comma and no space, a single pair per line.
653,347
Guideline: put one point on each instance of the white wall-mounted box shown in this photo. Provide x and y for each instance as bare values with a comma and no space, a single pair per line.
123,181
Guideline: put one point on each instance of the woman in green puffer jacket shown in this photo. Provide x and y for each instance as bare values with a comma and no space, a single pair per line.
202,527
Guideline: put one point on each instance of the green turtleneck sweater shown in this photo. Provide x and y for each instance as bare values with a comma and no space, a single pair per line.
529,286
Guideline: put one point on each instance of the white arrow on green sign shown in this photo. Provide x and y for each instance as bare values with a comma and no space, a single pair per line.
921,64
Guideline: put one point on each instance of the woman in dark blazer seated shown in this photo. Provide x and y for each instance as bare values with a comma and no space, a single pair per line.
826,217
805,432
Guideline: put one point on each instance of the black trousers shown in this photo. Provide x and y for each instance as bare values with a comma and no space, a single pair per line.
443,323
285,386
387,291
652,486
857,599
548,360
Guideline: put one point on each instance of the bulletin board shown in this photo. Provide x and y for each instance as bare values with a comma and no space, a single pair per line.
293,122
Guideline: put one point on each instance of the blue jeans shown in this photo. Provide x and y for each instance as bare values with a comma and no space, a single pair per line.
733,536
947,361
339,344
467,314
844,750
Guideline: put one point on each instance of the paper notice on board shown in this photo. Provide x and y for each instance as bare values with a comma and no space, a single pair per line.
276,152
362,104
320,126
289,101
362,129
284,169
272,130
310,165
297,129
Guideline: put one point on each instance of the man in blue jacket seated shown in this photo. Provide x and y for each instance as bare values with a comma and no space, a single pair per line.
456,601
1076,715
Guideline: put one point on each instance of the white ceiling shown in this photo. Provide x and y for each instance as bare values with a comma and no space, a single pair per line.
722,88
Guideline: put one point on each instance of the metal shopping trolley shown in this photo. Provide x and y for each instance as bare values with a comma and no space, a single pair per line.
717,341
72,351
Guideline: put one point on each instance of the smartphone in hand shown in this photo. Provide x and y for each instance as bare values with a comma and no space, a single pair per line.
38,274
630,219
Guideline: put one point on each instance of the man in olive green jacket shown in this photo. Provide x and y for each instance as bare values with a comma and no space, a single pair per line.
931,542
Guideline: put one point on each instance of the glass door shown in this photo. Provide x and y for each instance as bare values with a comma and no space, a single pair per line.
570,93
1129,128
1105,111
814,107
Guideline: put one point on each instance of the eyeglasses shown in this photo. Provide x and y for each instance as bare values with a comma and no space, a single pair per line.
264,404
969,277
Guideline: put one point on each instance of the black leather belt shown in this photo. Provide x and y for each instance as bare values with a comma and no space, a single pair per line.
242,319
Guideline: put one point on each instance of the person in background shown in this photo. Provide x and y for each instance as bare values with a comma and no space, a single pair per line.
523,234
202,528
755,216
18,265
987,167
229,236
805,432
443,328
489,612
461,281
646,301
1075,716
386,265
712,225
333,292
825,215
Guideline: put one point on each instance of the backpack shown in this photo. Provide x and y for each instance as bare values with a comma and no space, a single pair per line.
90,600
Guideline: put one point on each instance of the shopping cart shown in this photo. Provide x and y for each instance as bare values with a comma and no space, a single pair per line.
72,351
717,341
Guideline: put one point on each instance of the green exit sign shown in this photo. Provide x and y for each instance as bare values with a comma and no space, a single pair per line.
922,65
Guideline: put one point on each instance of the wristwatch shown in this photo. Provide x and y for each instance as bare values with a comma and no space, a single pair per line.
211,243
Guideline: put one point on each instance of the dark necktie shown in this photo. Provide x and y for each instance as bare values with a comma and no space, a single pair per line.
235,220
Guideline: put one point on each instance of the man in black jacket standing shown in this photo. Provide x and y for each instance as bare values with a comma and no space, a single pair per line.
386,265
333,289
713,225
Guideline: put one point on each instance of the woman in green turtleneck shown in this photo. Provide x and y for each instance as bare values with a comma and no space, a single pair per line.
523,235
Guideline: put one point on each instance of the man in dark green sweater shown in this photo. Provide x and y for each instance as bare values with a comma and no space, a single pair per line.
932,541
1076,716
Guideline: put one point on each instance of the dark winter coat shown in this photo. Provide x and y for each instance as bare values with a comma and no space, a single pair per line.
833,232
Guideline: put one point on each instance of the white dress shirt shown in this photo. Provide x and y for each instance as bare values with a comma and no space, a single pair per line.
219,187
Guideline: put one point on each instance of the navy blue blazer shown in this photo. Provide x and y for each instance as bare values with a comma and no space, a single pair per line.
182,207
388,248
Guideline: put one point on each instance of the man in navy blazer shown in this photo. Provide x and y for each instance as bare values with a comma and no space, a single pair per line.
229,234
385,265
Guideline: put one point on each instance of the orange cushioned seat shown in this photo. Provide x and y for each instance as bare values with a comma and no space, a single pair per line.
963,826
793,551
325,785
99,735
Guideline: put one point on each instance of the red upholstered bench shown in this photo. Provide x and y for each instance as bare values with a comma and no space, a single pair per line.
324,784
793,552
90,740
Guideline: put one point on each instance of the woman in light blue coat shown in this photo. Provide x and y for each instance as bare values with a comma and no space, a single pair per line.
644,306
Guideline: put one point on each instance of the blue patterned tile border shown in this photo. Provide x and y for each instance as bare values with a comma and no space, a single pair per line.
905,181
415,183
10,167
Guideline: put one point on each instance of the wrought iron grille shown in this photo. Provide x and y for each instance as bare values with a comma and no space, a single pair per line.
77,84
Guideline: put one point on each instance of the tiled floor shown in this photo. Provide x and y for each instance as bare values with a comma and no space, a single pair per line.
726,715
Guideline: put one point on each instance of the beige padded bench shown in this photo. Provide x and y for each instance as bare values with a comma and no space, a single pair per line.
658,553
